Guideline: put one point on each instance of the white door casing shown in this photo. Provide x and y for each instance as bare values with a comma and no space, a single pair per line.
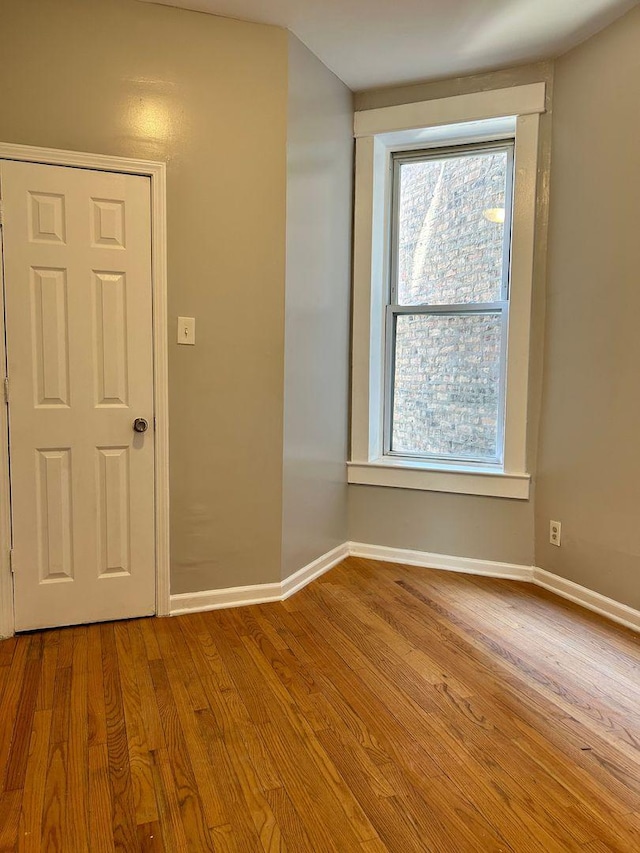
77,267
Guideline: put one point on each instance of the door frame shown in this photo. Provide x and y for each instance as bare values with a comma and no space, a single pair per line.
157,173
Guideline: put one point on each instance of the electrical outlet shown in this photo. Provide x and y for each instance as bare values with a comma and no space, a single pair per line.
555,532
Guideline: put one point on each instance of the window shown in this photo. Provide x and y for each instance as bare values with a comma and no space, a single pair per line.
443,267
447,315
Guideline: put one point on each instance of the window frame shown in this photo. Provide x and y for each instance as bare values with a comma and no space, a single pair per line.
446,122
497,308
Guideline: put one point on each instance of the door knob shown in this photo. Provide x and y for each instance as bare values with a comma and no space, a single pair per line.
140,425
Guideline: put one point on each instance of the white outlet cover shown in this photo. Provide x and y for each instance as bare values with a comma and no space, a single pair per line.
555,533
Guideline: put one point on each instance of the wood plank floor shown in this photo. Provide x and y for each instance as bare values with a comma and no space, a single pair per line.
382,708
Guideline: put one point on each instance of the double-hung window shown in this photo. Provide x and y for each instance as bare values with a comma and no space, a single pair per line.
445,218
447,317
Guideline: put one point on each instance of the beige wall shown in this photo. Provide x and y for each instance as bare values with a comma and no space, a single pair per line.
460,525
319,194
463,525
209,96
589,467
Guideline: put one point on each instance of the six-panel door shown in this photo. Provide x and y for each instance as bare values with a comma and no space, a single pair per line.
77,269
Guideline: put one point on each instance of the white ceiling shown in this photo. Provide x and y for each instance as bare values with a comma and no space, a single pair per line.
370,43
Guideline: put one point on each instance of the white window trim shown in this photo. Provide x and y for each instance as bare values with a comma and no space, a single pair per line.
483,115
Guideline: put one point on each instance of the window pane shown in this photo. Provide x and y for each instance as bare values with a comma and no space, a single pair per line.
450,237
447,381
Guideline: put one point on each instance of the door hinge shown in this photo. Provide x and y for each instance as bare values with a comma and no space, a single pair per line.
12,564
6,389
1,213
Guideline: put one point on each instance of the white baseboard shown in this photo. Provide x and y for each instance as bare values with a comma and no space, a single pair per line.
467,565
309,573
239,596
608,607
216,599
261,593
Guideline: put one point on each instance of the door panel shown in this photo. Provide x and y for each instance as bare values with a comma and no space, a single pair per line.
77,264
50,336
112,369
113,512
54,517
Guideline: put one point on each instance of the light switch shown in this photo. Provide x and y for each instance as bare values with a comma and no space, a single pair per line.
187,330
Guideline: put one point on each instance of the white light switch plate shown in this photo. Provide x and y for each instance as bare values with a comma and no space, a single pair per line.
187,330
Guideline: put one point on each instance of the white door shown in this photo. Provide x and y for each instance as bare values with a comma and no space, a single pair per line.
77,277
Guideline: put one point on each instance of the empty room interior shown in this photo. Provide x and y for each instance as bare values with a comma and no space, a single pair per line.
319,436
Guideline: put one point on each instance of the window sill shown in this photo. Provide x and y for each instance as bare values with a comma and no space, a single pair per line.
430,477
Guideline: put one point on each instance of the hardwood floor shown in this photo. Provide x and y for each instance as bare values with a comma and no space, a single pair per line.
382,708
